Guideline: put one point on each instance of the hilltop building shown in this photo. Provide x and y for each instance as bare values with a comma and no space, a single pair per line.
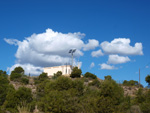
65,69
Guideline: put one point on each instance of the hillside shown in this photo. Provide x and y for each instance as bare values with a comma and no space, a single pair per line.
75,94
128,90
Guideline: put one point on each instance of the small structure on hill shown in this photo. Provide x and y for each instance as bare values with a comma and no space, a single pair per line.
65,69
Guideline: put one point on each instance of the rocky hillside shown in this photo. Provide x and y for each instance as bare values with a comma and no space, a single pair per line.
128,90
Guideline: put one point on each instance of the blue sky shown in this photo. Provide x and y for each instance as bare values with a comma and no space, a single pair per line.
98,20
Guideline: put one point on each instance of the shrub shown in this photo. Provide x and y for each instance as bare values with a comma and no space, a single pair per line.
95,83
25,80
140,98
130,83
59,73
15,98
19,70
43,76
61,83
4,85
110,88
90,75
15,76
56,75
147,79
108,77
76,73
3,73
145,107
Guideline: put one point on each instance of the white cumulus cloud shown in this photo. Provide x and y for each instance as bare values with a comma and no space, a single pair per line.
107,67
29,69
49,49
122,46
97,53
116,59
92,44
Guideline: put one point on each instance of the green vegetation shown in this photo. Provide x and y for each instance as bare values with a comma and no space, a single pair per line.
18,75
19,70
25,81
147,79
56,75
43,77
76,73
95,83
108,77
71,95
15,76
59,73
90,75
17,97
130,83
4,86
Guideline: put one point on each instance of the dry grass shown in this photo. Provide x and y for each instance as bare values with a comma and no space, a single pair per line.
23,108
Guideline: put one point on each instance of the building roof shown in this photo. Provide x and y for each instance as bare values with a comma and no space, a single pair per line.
58,66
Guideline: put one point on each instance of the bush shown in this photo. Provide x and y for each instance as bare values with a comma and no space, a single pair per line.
147,79
135,109
140,97
76,73
19,70
108,77
3,73
90,75
25,80
95,83
145,107
15,76
15,98
61,83
110,88
130,83
4,86
59,73
43,76
61,95
56,75
144,100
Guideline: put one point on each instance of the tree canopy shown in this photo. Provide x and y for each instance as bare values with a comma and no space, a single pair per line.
130,83
72,95
76,73
147,79
19,70
90,75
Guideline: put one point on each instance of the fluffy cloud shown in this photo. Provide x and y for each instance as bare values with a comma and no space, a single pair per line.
107,67
29,69
116,59
92,65
49,49
122,46
97,53
92,44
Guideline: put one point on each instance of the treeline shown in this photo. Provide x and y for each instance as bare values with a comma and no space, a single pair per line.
75,94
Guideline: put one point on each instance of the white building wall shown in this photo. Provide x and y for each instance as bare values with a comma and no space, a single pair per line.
66,70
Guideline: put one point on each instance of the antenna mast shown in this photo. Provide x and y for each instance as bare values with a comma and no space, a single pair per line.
72,51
